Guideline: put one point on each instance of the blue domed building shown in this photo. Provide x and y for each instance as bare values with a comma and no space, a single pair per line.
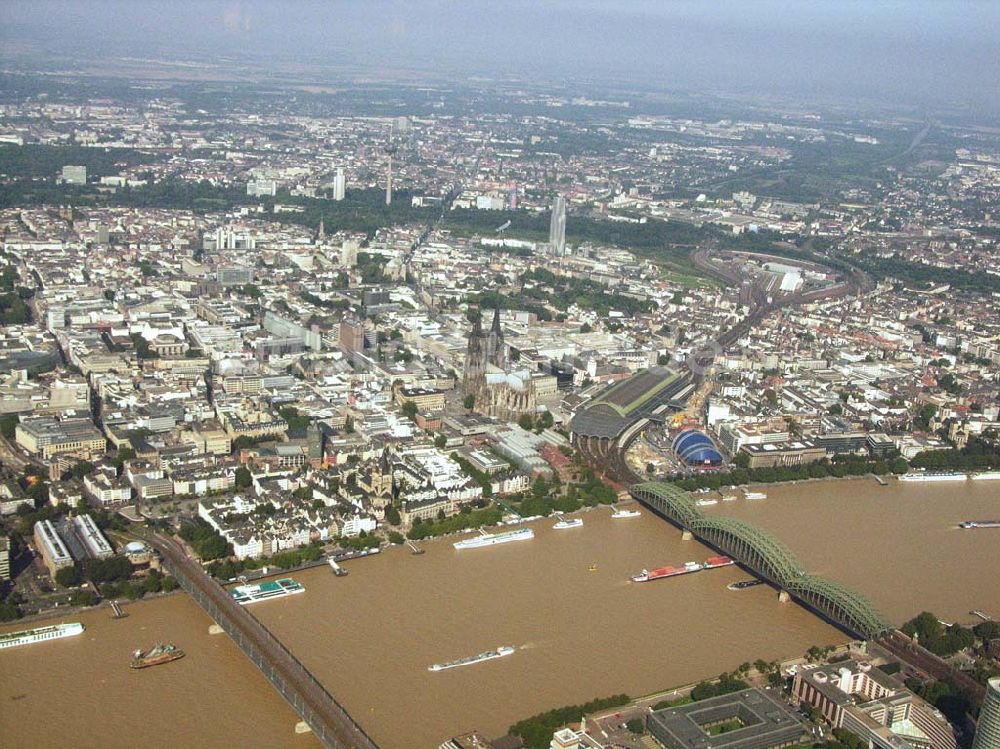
696,448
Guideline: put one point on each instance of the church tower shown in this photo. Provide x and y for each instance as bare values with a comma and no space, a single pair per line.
475,356
496,353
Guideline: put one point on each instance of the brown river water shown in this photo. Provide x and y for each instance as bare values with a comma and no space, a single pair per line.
370,636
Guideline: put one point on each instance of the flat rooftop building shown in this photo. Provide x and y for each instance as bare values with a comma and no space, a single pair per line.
773,455
46,437
54,553
93,541
763,723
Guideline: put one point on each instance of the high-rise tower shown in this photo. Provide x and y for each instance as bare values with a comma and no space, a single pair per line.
389,149
557,227
339,185
988,726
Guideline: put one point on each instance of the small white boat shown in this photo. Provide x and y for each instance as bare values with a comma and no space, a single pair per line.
728,497
706,502
620,514
754,495
574,523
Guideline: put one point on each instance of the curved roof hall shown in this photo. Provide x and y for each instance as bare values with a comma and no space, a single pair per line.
695,447
614,409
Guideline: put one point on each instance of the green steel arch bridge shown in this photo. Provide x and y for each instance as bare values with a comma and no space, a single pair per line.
766,557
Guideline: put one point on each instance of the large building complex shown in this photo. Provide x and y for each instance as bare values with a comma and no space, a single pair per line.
615,409
72,539
45,437
756,721
771,455
872,705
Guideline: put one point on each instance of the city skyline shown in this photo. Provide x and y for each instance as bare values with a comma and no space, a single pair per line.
562,375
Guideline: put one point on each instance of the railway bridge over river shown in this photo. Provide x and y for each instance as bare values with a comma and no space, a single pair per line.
328,720
767,558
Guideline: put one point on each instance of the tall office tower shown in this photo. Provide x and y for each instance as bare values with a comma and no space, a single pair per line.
988,727
352,336
390,149
339,185
557,227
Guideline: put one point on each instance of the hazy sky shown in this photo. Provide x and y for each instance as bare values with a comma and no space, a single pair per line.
914,51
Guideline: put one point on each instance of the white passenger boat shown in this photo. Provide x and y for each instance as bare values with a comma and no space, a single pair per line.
40,634
487,539
247,594
933,477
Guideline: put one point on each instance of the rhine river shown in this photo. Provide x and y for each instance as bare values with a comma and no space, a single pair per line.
899,545
370,636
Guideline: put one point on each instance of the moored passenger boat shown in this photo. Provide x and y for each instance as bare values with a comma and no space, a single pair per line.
247,594
40,634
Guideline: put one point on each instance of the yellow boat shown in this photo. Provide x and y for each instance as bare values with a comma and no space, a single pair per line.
592,568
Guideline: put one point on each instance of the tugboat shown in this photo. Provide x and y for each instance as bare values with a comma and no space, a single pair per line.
158,655
744,584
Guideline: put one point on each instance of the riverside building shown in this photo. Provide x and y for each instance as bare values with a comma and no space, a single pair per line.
872,705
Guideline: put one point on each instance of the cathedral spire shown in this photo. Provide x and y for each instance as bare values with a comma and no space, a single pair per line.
495,352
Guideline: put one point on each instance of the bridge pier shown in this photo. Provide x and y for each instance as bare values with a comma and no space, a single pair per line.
783,596
215,629
302,727
686,535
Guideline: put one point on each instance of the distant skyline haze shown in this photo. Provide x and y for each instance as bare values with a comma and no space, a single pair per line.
918,53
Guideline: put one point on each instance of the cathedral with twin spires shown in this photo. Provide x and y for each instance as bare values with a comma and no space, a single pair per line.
496,389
